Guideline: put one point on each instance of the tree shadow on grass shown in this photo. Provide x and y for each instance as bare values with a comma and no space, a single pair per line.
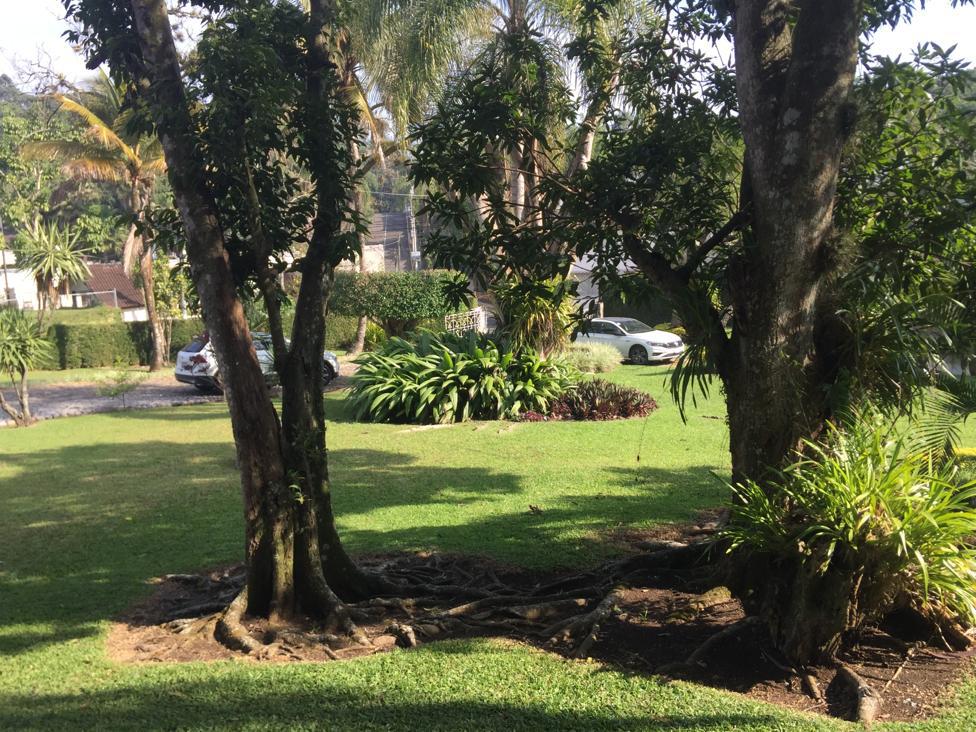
84,528
324,698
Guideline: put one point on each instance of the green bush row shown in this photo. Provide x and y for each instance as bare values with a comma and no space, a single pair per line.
105,344
89,345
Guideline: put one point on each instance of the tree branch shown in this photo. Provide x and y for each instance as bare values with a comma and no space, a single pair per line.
698,256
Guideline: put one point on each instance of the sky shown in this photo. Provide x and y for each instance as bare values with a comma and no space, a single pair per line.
31,30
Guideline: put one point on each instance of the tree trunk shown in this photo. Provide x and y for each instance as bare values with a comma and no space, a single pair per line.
284,570
158,356
793,81
360,343
21,416
794,71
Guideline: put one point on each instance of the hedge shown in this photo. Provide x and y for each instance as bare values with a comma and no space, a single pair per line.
398,301
88,345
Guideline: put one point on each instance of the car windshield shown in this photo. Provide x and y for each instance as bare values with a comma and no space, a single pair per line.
634,326
195,346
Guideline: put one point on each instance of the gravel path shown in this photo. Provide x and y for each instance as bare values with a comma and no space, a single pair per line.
70,399
159,390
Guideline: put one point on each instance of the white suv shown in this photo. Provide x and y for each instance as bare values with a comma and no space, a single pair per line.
197,363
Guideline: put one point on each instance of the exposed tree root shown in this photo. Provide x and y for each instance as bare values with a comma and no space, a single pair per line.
697,657
812,687
585,626
908,657
868,700
230,631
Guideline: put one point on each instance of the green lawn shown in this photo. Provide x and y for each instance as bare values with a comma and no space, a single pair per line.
93,507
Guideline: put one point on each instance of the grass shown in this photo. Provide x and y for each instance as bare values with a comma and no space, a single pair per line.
91,508
45,377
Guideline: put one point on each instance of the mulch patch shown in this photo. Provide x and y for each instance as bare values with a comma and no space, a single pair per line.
650,629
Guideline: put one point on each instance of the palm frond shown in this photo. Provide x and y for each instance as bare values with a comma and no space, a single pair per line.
98,129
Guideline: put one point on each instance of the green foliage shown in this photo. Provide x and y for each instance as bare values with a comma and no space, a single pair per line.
536,314
120,382
596,399
678,330
398,301
874,506
22,348
375,337
592,358
340,331
172,289
446,378
90,345
84,346
53,256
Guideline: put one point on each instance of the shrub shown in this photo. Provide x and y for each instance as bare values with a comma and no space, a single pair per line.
375,337
398,301
537,315
592,358
445,378
874,523
340,330
596,399
88,345
22,348
120,382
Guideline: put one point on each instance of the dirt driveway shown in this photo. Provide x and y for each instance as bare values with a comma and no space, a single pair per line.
158,390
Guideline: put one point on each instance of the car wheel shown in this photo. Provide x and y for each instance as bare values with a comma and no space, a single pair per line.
327,375
638,355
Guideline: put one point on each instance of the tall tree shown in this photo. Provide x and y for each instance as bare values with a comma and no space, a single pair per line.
718,187
107,153
289,524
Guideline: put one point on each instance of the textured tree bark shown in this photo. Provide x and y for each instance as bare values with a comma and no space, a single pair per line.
136,248
160,347
793,81
21,417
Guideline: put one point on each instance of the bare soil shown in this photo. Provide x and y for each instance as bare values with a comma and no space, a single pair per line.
654,625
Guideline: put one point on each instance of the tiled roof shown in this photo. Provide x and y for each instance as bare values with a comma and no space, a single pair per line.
107,277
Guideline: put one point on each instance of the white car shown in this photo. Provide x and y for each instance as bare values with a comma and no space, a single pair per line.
197,363
635,340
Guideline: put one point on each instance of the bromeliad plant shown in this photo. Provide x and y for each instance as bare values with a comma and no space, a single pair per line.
596,399
876,522
443,378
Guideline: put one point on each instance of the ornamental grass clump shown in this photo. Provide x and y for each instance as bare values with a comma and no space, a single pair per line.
592,358
871,524
441,378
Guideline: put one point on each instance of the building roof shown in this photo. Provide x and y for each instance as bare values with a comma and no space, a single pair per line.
106,277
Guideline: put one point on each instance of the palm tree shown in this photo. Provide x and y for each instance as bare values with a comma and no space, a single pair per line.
106,153
22,346
52,255
396,58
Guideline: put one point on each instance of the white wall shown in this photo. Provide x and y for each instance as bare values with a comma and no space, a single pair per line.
25,290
